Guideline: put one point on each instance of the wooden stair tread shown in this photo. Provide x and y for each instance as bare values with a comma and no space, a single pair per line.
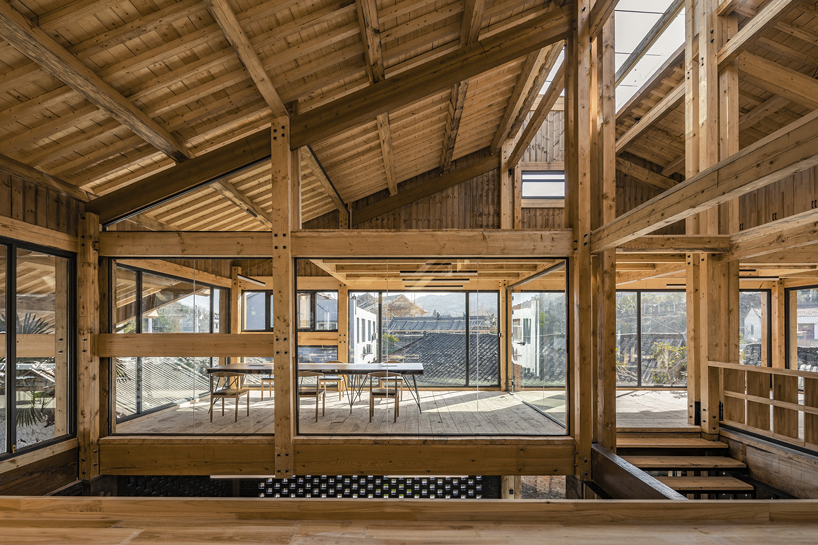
694,484
685,462
668,442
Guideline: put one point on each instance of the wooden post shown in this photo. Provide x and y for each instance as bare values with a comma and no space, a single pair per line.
295,179
694,328
578,217
61,375
606,285
779,325
343,322
106,367
87,359
284,346
506,190
518,198
503,335
236,307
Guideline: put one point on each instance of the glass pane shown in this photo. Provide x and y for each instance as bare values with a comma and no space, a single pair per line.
317,354
549,185
806,303
171,381
42,347
752,328
484,339
664,339
627,351
429,328
125,286
363,332
168,305
304,320
3,347
254,309
326,311
125,386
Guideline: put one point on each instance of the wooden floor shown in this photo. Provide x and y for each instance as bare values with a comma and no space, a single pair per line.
443,413
110,521
651,408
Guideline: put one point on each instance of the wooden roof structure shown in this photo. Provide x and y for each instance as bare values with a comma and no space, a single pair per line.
103,94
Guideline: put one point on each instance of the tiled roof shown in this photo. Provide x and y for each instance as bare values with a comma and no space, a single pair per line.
443,356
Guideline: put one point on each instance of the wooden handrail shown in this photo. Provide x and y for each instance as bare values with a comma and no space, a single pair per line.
768,370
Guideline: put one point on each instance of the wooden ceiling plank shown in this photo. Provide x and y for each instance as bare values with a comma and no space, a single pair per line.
234,195
362,106
16,168
45,51
309,157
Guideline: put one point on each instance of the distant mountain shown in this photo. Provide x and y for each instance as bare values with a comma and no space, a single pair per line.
454,304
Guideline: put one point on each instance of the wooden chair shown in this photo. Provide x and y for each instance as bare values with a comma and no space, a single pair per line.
390,390
315,391
270,382
339,382
397,380
232,387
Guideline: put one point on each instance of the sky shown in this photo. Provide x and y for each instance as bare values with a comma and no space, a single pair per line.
634,18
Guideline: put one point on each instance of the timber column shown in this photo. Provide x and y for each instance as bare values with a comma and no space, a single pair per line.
283,345
578,217
88,383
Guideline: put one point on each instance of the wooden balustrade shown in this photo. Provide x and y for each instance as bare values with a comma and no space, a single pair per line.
778,403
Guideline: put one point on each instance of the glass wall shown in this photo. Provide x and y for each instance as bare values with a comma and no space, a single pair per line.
651,333
802,332
163,394
754,327
539,351
36,353
426,349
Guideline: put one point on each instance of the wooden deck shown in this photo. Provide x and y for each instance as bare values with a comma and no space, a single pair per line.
450,412
651,408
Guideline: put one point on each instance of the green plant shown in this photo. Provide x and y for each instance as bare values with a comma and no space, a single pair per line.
34,413
671,363
31,324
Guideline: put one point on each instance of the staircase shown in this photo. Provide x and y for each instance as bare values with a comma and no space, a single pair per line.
689,464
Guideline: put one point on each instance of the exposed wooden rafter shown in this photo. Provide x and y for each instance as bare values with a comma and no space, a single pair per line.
224,16
54,58
469,32
662,108
780,80
644,175
318,170
373,52
536,121
234,195
749,33
16,168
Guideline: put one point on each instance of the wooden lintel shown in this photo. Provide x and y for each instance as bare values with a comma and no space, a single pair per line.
181,345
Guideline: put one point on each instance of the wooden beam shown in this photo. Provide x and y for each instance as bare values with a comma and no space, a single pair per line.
531,100
670,14
623,480
750,32
385,135
232,193
659,271
56,60
537,119
600,13
308,155
787,151
182,245
469,31
371,38
644,175
663,244
223,15
662,108
179,345
427,188
330,269
31,174
526,88
751,244
782,81
167,267
35,234
321,244
210,167
362,106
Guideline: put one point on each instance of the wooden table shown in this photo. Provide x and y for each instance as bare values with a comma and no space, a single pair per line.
243,369
362,369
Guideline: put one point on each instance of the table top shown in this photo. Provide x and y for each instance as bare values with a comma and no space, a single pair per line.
243,368
402,368
333,368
